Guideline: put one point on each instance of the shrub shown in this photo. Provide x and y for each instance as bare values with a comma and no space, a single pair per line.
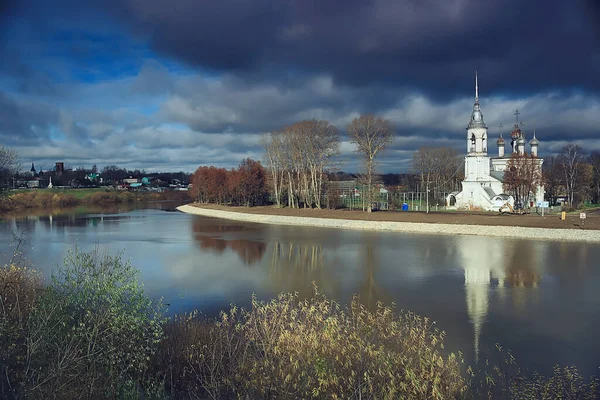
19,288
93,332
41,198
565,383
288,348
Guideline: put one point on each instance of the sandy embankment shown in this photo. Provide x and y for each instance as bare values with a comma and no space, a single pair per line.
409,227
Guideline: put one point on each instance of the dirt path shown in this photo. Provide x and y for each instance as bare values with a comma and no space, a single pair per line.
572,221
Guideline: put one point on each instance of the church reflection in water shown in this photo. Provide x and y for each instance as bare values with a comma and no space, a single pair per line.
495,267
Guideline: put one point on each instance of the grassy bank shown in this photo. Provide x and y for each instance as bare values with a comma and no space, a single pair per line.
58,198
91,332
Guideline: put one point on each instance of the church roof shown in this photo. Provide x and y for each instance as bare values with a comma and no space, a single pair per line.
500,142
497,175
534,141
490,192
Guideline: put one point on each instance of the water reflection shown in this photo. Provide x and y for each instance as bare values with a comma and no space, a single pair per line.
295,266
538,299
28,220
510,265
209,236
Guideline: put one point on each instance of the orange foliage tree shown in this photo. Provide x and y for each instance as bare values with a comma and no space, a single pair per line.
522,177
245,185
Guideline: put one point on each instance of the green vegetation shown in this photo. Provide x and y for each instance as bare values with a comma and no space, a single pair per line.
77,193
91,333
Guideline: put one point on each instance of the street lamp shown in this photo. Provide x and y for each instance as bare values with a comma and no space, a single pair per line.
427,194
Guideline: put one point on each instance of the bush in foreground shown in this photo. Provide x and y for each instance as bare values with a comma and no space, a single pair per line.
19,289
287,348
92,333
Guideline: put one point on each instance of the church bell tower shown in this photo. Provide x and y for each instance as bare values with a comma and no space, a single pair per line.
477,161
477,129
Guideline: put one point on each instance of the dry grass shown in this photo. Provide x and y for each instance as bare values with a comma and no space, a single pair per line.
315,348
44,198
109,197
41,199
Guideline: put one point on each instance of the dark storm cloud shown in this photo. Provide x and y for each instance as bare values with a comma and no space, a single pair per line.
431,45
24,121
156,84
6,8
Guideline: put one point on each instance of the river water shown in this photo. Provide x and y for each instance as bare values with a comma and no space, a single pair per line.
540,299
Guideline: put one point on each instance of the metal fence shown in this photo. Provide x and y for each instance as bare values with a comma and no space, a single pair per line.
396,201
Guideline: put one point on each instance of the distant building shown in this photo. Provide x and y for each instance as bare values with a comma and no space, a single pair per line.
59,168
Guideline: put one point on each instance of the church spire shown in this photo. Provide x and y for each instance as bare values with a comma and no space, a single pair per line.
476,89
476,115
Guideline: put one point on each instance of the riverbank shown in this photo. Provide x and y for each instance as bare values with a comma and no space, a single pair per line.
515,226
19,201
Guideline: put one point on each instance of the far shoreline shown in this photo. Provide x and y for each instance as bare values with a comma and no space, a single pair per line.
456,228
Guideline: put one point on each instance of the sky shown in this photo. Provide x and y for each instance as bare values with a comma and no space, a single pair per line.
172,85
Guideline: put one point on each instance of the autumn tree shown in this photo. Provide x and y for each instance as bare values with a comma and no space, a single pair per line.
200,185
372,135
245,185
252,183
522,177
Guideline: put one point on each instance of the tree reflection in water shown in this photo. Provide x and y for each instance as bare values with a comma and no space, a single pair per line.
298,266
209,236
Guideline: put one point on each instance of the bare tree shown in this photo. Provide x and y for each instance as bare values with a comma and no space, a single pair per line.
595,163
553,178
274,148
571,157
321,143
436,166
9,164
298,157
372,135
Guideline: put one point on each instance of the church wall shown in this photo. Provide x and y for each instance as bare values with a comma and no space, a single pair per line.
499,164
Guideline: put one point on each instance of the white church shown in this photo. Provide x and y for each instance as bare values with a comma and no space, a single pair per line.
484,175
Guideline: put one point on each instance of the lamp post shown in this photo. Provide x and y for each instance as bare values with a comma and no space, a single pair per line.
427,194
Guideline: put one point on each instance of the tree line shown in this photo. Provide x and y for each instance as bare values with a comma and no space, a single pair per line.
245,185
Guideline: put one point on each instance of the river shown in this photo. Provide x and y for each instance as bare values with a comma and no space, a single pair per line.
540,299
